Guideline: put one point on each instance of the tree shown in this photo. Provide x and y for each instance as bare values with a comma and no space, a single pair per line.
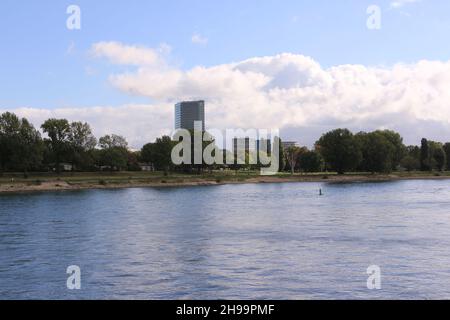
9,128
29,152
20,144
281,155
82,142
410,163
147,152
292,156
425,163
440,158
311,161
133,161
112,141
432,156
438,155
396,141
413,151
114,158
378,152
159,153
340,150
58,131
411,160
446,148
114,152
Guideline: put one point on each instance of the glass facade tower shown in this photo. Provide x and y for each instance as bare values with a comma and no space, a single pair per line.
189,112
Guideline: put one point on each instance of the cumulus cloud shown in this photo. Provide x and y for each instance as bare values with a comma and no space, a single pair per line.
119,53
138,123
287,91
294,91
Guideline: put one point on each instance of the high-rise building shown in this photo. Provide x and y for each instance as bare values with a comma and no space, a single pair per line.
189,112
289,144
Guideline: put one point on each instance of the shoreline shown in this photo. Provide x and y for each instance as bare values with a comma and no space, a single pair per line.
194,181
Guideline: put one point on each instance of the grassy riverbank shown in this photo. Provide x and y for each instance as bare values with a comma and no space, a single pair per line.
10,183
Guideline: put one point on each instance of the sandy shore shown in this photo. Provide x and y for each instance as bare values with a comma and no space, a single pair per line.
189,181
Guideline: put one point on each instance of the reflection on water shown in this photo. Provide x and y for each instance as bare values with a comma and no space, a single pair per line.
267,241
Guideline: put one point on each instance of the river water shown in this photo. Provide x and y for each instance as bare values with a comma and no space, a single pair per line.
256,241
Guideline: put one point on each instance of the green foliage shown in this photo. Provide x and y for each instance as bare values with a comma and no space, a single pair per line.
112,141
23,149
113,153
81,137
133,161
396,141
340,150
114,158
446,148
159,153
438,156
282,158
21,146
410,163
81,144
425,159
311,161
411,160
292,155
58,131
379,153
432,156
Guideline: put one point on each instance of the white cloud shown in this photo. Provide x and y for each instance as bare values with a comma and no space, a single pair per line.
402,3
119,53
199,39
291,92
138,123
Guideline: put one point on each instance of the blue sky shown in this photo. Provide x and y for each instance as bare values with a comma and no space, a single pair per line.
114,74
38,71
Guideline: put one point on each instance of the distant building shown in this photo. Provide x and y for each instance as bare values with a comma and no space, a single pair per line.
289,144
264,145
62,167
248,145
146,166
243,144
189,112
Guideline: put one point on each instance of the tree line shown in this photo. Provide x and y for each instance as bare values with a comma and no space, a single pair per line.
380,151
23,149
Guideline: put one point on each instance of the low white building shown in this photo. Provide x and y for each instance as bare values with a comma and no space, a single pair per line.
146,167
289,144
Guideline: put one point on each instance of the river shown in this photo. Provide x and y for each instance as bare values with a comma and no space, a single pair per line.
249,241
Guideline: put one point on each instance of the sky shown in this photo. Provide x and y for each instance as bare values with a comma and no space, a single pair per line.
303,67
